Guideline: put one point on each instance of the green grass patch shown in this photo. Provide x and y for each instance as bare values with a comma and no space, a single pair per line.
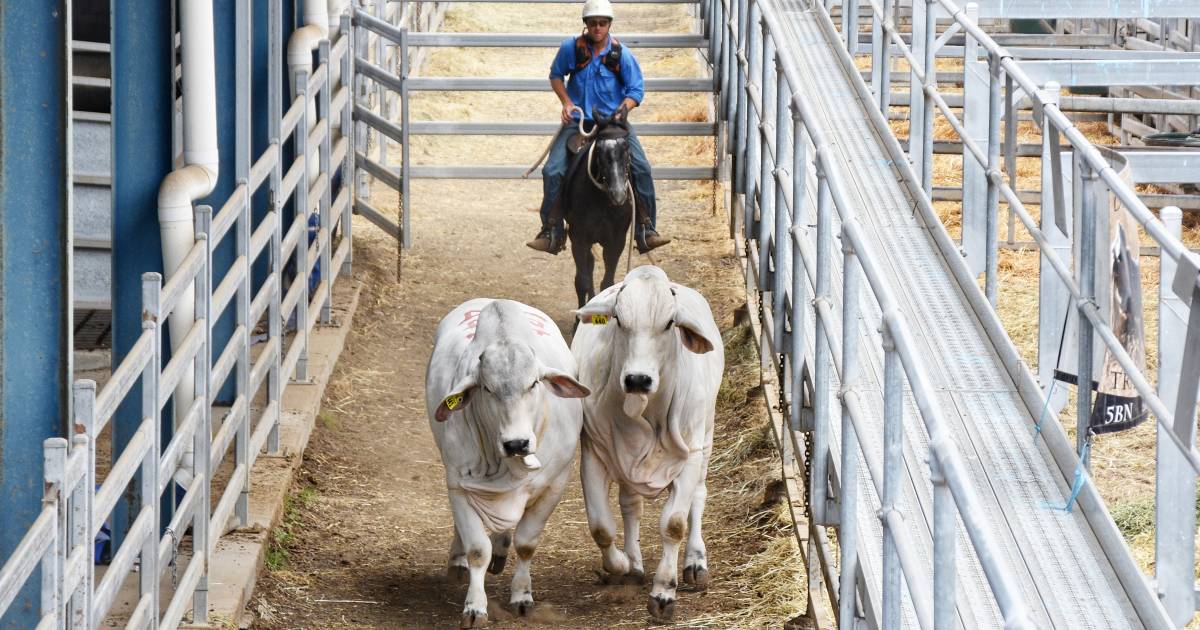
328,420
283,538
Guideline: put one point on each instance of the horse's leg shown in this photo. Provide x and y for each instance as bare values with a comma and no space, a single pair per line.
585,264
612,258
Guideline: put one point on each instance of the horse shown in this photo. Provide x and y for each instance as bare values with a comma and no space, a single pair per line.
598,200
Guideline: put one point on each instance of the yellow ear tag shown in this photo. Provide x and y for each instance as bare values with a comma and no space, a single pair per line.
599,320
452,401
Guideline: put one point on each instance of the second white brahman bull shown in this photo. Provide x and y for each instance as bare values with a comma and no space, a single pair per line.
500,390
651,352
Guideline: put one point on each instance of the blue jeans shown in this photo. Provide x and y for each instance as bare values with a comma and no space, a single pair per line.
555,170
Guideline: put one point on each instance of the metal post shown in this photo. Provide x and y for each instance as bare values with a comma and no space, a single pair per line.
381,92
54,470
975,119
360,97
783,242
1175,489
851,369
301,205
406,165
916,98
347,131
1087,289
885,68
879,46
893,455
1053,296
800,305
325,120
243,228
850,25
753,71
274,121
993,169
766,183
822,407
84,410
930,35
202,435
944,588
148,572
1010,152
740,104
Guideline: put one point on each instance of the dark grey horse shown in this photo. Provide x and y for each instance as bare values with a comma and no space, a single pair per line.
597,201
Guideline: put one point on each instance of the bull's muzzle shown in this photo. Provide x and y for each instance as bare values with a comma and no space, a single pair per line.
638,383
516,448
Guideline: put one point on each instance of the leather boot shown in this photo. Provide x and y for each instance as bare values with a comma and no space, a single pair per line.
648,239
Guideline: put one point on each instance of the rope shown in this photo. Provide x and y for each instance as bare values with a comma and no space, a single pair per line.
1037,428
550,145
1080,476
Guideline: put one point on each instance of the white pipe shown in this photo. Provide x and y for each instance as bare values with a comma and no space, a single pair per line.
195,180
301,45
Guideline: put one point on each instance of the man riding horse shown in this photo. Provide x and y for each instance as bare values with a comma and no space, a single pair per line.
605,78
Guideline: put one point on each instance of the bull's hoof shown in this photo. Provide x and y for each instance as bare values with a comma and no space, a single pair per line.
635,576
697,576
661,607
473,619
457,574
522,607
497,565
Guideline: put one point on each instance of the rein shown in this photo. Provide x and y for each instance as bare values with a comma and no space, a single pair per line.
632,203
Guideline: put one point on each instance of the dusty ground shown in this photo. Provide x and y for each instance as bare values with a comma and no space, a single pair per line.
366,533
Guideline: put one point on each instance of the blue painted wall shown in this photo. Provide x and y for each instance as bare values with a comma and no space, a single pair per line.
33,223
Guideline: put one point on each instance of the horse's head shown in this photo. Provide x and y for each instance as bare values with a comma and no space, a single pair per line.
608,163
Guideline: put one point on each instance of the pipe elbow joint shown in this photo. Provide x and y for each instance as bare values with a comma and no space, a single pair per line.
181,187
302,43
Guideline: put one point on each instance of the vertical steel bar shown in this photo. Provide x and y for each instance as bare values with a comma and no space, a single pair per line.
1175,481
944,581
361,97
1011,123
1087,289
850,25
243,229
885,65
754,71
324,237
202,436
347,134
878,47
930,34
822,371
275,383
893,454
301,205
54,468
406,163
148,573
993,168
381,92
766,183
799,339
783,241
740,104
916,98
84,410
851,369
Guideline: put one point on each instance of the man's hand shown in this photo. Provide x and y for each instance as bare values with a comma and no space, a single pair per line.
567,108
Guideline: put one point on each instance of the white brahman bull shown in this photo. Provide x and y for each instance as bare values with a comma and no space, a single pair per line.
499,391
651,352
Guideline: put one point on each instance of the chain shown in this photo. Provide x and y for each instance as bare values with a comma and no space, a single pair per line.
174,557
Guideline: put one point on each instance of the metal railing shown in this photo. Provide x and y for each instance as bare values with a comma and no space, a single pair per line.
761,86
61,539
776,155
1084,288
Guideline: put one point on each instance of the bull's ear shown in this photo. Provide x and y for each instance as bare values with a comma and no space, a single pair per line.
693,340
459,397
598,313
564,385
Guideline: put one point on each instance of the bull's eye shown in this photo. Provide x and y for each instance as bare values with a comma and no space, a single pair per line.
670,323
533,384
487,389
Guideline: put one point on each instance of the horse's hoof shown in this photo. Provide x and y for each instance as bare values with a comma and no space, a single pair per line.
473,619
497,565
661,607
458,574
697,576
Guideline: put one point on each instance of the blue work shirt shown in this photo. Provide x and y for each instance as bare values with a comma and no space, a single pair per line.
595,85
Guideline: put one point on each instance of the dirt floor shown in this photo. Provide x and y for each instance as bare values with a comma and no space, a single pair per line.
366,532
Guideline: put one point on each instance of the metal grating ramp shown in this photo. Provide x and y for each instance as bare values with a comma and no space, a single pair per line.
1064,574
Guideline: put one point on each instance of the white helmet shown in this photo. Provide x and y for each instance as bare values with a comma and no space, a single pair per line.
597,8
